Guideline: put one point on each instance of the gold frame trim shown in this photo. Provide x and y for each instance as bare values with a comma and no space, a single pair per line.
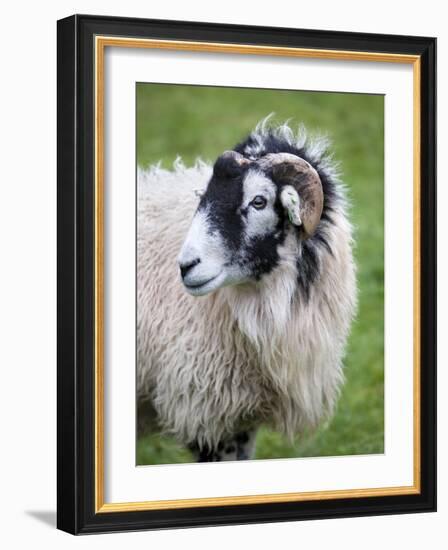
101,42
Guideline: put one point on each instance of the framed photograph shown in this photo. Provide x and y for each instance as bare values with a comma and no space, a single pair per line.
246,274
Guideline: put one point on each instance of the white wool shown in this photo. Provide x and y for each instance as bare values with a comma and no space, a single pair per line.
244,355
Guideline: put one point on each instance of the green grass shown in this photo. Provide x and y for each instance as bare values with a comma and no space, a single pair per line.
191,121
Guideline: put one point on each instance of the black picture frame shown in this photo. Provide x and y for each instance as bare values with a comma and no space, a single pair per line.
76,254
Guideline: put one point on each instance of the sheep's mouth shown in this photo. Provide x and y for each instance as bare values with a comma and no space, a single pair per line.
199,285
203,287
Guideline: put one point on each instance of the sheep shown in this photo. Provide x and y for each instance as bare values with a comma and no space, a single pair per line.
246,292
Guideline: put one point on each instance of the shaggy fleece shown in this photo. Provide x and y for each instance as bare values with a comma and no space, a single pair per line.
245,355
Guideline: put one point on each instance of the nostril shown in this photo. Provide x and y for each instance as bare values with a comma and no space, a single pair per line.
185,268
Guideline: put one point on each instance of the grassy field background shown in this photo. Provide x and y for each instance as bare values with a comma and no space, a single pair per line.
190,121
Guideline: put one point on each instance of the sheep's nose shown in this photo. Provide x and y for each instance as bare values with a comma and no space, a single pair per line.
185,267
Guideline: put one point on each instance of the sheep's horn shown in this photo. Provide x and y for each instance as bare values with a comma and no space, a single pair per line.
297,172
229,164
237,157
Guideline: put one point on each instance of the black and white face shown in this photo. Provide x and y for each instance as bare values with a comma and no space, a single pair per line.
241,221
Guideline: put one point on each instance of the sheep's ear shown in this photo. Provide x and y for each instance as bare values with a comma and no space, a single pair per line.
291,203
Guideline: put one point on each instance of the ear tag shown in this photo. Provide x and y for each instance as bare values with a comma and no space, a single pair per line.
293,211
291,203
294,216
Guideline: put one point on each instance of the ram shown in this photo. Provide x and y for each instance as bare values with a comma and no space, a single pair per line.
246,292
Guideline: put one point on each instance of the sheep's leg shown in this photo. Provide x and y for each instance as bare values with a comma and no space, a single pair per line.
246,444
227,450
241,447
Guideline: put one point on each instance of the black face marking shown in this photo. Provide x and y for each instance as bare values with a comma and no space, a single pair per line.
226,215
262,255
222,201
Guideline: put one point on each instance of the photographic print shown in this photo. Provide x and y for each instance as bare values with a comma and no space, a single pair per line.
260,274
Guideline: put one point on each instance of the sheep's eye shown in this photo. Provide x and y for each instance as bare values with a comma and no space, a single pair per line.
259,202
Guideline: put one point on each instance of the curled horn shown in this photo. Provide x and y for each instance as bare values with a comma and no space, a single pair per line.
297,172
229,164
